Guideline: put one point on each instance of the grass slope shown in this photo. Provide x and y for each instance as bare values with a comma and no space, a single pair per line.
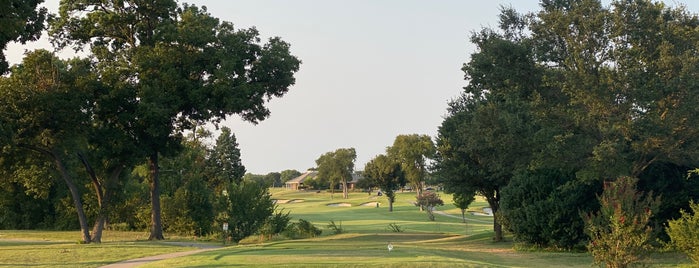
446,242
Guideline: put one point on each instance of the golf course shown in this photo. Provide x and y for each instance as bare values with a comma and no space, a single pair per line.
366,231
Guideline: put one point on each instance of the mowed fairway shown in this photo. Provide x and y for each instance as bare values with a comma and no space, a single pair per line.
446,242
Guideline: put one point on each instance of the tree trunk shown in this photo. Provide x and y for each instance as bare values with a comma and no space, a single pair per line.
390,204
156,230
345,194
99,193
75,193
463,215
494,202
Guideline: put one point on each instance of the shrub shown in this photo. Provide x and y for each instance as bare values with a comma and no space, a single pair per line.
541,208
619,232
395,228
684,232
337,229
429,200
302,229
275,224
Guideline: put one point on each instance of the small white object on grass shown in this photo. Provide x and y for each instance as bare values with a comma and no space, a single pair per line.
390,246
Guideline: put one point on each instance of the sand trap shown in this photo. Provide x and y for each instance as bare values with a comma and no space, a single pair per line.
369,204
340,205
486,212
287,201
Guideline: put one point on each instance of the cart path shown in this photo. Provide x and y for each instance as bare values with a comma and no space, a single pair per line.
144,260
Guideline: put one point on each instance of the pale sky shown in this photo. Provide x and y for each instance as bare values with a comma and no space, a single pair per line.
372,70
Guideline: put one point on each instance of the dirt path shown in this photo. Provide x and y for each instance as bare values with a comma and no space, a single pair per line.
144,260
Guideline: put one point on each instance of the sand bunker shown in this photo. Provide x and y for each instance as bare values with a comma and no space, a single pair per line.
287,201
340,205
370,204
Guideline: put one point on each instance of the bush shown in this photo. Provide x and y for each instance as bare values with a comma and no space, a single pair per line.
429,200
395,228
684,232
275,224
619,232
302,229
541,208
337,229
250,206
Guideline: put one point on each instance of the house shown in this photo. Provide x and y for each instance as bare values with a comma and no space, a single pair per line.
297,183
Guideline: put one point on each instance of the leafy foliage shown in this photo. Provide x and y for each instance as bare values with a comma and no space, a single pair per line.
412,152
542,207
223,163
250,206
303,229
429,200
684,232
619,232
387,174
336,228
462,201
337,167
276,224
22,21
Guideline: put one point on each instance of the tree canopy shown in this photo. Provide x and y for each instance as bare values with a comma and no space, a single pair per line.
598,92
337,167
177,66
387,174
22,21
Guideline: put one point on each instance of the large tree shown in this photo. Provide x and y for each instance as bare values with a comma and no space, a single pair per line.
337,167
44,102
602,92
412,152
387,174
22,21
485,138
184,67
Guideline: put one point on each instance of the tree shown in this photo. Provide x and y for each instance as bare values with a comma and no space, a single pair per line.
250,206
619,232
185,67
385,173
412,151
274,179
224,165
22,22
429,200
462,201
485,139
37,90
289,174
337,167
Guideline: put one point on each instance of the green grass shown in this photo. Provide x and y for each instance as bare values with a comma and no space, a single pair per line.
446,242
61,249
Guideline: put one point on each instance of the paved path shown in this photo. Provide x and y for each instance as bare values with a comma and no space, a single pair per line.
144,260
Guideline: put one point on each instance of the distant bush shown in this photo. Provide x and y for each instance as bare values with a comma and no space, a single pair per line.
337,229
302,229
395,228
275,224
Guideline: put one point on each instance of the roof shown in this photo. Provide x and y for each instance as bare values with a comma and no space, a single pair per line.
302,177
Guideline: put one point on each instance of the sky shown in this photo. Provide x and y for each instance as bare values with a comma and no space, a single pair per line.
371,70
